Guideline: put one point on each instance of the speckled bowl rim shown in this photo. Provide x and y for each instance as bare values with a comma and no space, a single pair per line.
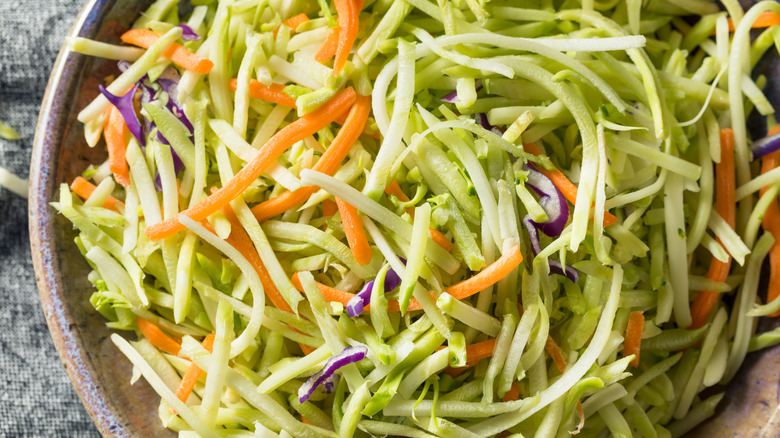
50,132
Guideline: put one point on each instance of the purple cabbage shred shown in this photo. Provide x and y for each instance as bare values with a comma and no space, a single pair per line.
347,356
557,209
188,34
452,97
765,146
362,299
126,106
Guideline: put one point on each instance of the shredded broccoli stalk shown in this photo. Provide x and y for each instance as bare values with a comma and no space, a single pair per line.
621,105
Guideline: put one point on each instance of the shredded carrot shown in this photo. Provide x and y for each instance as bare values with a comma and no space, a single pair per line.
773,289
329,208
566,187
766,19
293,22
556,353
771,224
334,295
581,414
273,93
395,306
239,239
441,239
636,322
115,143
474,354
280,142
296,20
353,230
348,12
367,130
84,189
725,205
156,337
513,393
394,189
488,276
177,53
193,373
330,294
328,48
327,164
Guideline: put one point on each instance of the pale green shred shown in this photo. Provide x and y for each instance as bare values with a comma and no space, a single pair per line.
13,183
626,102
8,132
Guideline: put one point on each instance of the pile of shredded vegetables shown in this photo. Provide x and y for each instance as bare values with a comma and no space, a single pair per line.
460,218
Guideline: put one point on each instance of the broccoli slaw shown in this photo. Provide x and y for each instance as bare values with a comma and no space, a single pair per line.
458,218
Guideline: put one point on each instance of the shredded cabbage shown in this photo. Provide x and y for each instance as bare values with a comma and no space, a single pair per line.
495,328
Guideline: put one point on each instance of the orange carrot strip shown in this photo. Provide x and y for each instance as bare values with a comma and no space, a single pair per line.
280,142
353,230
296,20
771,224
176,52
327,164
329,208
474,354
513,393
270,93
239,239
331,294
328,48
556,353
566,187
488,276
348,23
293,22
725,205
581,414
156,337
441,239
636,322
395,306
394,189
766,19
774,276
190,378
275,94
115,143
367,130
84,189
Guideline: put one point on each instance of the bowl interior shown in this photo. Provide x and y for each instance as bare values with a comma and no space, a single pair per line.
99,372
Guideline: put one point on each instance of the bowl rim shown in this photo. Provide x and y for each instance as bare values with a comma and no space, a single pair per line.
49,134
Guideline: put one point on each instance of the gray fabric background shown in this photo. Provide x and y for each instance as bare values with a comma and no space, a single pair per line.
36,398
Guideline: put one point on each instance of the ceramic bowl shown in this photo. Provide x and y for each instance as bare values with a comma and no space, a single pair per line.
99,372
